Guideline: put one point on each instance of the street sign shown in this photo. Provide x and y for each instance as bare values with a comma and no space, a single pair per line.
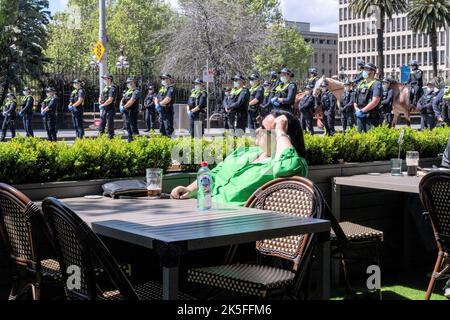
99,50
208,75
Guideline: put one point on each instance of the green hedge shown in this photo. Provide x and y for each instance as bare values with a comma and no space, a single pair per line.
28,160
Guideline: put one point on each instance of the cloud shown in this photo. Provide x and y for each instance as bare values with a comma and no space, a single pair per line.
322,14
57,5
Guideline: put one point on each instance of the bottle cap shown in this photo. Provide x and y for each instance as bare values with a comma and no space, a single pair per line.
204,164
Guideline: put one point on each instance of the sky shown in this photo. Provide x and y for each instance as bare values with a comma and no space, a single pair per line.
322,14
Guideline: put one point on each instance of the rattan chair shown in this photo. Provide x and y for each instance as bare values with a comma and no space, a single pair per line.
22,230
81,252
295,196
435,196
347,238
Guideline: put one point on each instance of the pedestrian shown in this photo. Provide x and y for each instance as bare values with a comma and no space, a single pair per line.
239,98
149,109
285,92
346,109
256,99
416,83
266,106
197,105
26,111
306,108
76,107
329,104
107,106
425,106
164,102
359,77
129,106
386,103
48,113
9,116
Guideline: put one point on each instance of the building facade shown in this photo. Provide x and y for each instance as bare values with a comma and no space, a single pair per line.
358,39
325,47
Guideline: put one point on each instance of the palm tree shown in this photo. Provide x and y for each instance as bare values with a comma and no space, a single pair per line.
386,8
428,16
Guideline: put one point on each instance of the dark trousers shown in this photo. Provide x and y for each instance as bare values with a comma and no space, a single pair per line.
131,123
150,118
241,120
347,120
265,111
416,94
427,121
27,120
387,117
328,121
365,124
307,121
166,119
10,123
252,115
77,120
230,118
107,121
50,126
196,122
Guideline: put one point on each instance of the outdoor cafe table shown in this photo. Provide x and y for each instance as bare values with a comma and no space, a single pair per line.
385,181
175,227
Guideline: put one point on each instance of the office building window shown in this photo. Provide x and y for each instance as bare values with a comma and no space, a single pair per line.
414,41
315,58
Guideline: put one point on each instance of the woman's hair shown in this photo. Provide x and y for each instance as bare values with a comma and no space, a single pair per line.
295,131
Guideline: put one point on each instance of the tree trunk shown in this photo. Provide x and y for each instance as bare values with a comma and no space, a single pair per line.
434,53
380,43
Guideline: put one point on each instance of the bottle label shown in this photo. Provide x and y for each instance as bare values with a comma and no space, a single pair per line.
205,182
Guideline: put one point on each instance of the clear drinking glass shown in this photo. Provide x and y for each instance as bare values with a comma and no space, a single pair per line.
396,167
412,162
154,182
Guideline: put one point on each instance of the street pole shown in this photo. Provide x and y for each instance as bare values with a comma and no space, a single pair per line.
207,93
103,64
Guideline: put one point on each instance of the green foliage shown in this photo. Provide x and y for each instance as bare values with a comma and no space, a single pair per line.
285,47
29,160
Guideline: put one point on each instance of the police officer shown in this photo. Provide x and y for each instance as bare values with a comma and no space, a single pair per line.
274,79
285,92
266,106
346,108
359,77
164,104
368,97
416,82
9,114
239,96
228,121
313,77
329,104
425,106
107,102
197,103
256,99
306,108
149,109
129,106
446,104
26,111
438,106
76,107
48,113
387,100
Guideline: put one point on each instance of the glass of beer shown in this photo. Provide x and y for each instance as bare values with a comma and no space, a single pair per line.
154,183
412,162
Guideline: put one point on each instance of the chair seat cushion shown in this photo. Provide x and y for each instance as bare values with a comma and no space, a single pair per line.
357,232
145,291
252,280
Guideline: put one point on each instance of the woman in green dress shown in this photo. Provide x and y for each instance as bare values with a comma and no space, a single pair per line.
279,152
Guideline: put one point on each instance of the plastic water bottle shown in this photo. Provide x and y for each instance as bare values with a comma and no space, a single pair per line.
204,181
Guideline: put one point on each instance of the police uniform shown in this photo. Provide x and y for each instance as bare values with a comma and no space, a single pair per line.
107,113
239,98
438,105
77,112
365,92
198,98
306,108
26,111
425,106
9,120
311,81
359,77
150,111
256,92
387,99
329,103
287,92
266,105
229,125
166,112
49,117
347,109
416,82
131,113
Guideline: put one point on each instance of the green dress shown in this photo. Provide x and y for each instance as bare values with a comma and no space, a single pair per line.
237,177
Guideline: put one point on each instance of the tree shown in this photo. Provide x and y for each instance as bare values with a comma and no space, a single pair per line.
23,28
223,32
429,16
385,8
283,46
